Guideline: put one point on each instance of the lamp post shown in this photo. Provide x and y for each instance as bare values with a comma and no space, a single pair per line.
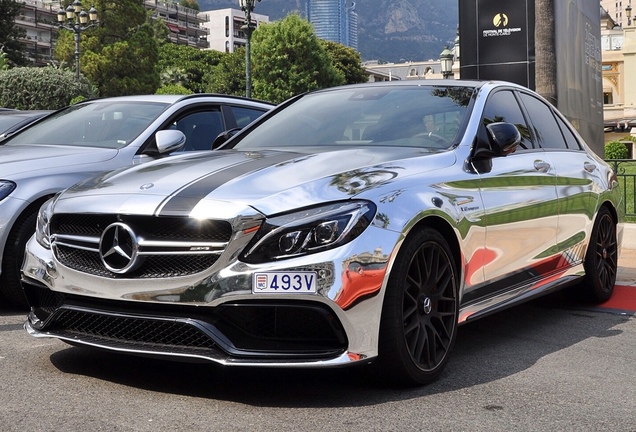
628,14
446,59
76,19
247,6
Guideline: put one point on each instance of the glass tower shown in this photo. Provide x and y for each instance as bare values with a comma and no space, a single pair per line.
335,21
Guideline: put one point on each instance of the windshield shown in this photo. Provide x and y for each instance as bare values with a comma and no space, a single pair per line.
7,121
100,123
413,116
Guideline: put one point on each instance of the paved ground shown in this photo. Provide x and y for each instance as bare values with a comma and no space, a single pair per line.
624,297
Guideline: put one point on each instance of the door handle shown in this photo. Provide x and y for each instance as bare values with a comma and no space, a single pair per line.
589,167
541,166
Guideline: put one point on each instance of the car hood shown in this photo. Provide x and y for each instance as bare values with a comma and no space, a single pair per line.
15,160
268,181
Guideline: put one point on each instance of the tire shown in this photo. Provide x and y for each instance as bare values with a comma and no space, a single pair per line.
419,316
601,260
13,257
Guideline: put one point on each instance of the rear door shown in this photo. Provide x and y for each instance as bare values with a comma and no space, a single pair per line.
576,175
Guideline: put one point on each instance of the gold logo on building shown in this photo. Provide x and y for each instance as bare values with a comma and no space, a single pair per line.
500,20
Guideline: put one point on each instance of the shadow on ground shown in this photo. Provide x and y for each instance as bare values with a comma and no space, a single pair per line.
489,349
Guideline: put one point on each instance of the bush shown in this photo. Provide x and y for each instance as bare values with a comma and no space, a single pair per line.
34,88
173,89
77,99
616,150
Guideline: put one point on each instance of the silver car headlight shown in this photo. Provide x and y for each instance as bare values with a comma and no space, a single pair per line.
310,230
42,224
6,187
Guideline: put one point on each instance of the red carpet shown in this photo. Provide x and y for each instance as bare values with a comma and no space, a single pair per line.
624,298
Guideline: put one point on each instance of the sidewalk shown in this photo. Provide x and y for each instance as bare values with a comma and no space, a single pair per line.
627,260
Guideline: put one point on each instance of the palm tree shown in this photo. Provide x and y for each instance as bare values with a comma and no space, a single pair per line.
545,50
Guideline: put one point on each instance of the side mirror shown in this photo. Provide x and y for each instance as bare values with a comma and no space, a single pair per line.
223,137
504,139
169,141
505,136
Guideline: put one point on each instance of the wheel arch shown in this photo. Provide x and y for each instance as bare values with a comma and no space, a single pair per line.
33,206
612,209
26,211
447,231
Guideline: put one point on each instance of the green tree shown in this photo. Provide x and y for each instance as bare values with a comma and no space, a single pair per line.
347,60
288,59
192,63
120,55
173,76
41,88
161,30
228,77
191,4
9,33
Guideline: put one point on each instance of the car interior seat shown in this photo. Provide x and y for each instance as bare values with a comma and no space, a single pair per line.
204,134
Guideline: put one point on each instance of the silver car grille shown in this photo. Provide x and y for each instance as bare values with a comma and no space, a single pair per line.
117,246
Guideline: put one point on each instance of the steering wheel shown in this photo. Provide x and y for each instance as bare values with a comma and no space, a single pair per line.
438,139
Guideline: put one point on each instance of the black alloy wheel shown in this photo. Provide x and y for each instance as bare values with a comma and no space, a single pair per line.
601,260
419,318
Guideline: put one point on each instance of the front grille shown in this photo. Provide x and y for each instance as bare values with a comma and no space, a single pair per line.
142,332
178,246
153,266
156,228
265,329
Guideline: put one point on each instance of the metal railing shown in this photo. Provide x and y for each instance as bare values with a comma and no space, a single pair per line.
625,170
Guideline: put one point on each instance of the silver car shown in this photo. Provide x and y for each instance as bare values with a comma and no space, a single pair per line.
354,225
84,139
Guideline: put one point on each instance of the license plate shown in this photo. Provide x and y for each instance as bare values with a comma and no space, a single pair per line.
284,282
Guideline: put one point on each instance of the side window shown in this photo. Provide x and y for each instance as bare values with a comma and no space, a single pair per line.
245,116
201,128
502,106
570,138
546,128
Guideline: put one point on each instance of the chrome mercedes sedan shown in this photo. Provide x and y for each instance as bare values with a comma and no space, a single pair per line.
354,225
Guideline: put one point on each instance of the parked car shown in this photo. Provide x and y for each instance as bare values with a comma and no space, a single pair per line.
335,230
87,138
13,120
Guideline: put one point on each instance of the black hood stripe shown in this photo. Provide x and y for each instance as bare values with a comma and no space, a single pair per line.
187,198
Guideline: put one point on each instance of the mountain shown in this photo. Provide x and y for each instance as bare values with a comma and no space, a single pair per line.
388,30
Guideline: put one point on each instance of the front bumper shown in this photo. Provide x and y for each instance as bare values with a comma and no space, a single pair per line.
213,315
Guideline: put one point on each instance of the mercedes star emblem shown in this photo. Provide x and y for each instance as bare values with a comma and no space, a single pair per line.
118,248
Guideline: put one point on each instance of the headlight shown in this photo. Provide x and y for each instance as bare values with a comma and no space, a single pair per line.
309,231
6,187
42,224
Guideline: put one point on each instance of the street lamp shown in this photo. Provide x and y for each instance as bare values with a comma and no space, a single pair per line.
628,14
446,59
247,6
75,19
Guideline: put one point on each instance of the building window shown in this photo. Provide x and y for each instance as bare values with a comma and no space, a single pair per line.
227,26
608,98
